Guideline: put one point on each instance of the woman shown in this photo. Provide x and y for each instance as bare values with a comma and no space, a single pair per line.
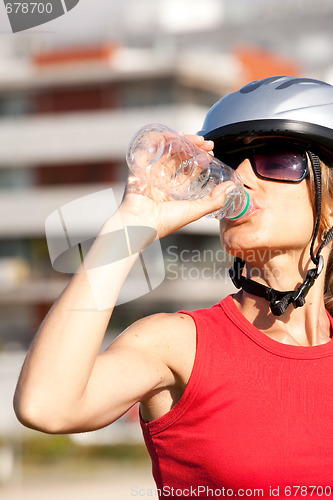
236,399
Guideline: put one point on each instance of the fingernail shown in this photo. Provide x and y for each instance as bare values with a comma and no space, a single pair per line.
229,189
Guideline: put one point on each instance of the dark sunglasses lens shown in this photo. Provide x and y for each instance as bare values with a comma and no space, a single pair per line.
282,165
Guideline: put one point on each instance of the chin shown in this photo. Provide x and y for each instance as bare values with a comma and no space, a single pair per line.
235,240
253,236
247,247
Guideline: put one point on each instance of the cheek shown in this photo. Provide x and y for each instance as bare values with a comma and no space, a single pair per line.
295,213
286,221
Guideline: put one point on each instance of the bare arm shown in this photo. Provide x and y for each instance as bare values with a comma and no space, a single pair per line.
65,384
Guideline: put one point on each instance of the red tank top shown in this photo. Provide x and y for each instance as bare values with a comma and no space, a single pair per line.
255,419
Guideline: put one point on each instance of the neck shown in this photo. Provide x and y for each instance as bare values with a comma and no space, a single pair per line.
307,325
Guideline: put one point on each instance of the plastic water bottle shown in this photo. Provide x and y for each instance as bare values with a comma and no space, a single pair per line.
168,161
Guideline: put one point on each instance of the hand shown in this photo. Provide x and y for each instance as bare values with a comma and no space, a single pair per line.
145,205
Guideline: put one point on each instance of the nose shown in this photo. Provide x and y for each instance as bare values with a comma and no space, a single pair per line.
245,172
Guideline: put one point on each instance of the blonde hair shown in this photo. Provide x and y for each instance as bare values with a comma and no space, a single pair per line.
326,202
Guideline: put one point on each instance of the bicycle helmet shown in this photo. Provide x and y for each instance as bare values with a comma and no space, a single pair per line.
285,107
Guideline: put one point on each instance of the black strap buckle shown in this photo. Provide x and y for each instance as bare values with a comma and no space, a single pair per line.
298,297
236,271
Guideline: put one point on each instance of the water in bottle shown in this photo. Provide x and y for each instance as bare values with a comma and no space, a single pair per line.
168,161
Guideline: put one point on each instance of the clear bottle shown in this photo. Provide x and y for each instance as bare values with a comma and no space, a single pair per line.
168,161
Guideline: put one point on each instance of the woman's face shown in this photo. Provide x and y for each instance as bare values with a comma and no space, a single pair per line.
282,220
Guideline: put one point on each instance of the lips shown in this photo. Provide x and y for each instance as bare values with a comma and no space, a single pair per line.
254,208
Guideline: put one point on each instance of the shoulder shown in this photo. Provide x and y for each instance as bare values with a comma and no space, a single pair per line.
161,332
164,324
170,337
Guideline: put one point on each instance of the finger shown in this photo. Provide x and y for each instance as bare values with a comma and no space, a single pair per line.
196,139
201,142
136,185
207,145
195,209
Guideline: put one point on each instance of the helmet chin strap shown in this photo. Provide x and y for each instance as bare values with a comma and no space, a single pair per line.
279,301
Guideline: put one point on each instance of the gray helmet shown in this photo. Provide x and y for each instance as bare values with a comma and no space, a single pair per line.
299,108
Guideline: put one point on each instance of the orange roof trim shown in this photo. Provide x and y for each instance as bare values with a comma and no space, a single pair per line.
75,55
259,63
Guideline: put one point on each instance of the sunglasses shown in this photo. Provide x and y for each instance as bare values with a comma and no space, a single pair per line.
275,161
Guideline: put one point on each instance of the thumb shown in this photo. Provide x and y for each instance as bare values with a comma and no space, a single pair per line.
186,211
215,200
179,213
